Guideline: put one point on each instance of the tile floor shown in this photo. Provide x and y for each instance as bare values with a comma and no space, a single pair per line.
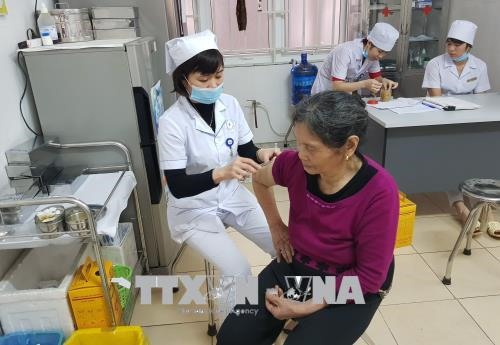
419,310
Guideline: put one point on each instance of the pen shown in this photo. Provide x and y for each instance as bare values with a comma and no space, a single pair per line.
432,105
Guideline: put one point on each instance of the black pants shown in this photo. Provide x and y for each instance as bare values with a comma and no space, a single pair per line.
337,324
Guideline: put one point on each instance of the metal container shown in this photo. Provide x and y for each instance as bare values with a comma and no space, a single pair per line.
114,12
10,215
107,24
115,34
76,220
73,24
55,224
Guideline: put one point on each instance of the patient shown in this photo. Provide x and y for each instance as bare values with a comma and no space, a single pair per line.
344,211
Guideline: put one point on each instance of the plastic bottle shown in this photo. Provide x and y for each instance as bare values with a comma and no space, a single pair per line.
46,39
303,76
423,57
46,23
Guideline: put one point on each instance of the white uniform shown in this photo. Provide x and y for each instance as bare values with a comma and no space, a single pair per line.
187,141
441,73
345,62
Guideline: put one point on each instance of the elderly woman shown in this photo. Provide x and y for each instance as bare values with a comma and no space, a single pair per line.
343,219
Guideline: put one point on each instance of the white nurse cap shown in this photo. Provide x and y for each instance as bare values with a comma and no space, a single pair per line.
463,30
383,36
181,49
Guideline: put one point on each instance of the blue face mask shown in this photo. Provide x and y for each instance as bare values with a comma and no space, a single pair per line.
205,95
461,58
365,54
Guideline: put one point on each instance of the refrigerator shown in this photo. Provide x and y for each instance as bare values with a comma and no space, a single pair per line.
104,90
423,26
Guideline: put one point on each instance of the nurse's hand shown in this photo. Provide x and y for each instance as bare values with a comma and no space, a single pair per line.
389,84
281,242
373,85
265,155
239,169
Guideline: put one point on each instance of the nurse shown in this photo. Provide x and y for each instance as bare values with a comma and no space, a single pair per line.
205,149
354,65
458,72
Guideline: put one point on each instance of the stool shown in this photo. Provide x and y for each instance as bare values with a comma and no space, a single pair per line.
209,274
487,193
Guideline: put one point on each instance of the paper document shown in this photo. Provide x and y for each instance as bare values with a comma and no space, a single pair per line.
452,103
419,108
396,103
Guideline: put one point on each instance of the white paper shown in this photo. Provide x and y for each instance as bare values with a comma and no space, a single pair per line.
458,103
396,103
419,108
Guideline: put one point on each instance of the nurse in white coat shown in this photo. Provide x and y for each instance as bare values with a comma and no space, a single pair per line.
458,72
354,65
205,149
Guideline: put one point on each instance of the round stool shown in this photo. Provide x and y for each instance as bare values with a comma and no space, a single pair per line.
486,193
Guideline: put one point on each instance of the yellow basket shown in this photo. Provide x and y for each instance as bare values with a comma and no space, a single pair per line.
407,213
122,335
86,297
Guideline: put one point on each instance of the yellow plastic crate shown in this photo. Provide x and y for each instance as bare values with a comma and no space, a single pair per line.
122,335
407,213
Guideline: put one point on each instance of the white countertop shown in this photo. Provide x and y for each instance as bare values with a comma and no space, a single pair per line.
489,112
82,45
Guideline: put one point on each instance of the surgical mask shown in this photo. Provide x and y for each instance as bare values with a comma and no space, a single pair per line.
461,58
205,95
365,54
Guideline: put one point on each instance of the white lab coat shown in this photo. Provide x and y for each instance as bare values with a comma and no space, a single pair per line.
345,62
187,141
441,73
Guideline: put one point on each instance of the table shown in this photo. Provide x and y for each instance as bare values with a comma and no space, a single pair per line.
436,150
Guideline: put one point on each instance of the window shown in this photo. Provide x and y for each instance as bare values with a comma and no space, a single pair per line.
276,29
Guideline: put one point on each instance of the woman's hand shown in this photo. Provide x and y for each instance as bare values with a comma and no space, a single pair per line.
266,155
283,308
239,169
280,307
281,242
373,85
389,84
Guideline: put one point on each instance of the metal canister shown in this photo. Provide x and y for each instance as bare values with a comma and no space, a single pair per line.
50,220
73,24
77,220
10,215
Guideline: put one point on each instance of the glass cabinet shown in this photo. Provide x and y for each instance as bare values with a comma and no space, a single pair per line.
423,25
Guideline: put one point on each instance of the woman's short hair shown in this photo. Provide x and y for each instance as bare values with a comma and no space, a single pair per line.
333,116
457,42
207,62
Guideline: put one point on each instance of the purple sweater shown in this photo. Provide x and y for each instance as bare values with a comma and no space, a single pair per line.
356,235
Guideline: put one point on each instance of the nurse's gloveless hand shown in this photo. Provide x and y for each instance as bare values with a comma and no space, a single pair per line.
389,84
373,85
239,169
265,155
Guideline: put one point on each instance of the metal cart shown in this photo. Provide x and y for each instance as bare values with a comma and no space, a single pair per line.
91,234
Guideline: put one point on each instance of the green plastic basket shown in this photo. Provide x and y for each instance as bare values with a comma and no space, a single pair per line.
120,271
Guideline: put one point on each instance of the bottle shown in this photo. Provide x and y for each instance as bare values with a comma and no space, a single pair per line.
423,57
46,23
46,39
303,76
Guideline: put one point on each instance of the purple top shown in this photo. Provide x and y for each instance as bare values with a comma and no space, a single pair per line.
355,235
